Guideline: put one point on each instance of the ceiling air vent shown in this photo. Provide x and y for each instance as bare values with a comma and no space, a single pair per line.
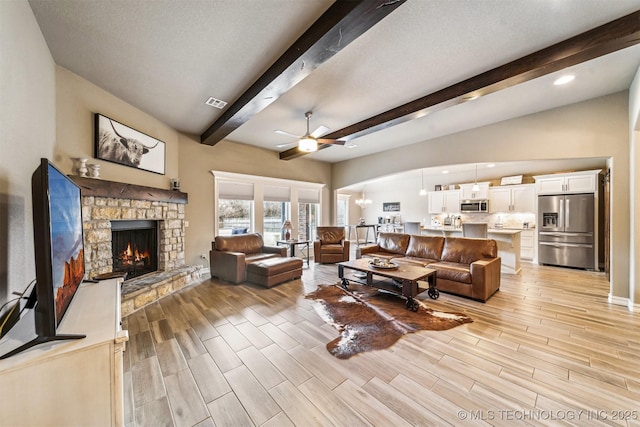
215,103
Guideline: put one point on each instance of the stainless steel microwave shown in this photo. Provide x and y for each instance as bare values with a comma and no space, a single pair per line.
474,206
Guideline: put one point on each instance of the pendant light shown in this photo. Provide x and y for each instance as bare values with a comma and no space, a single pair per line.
476,187
423,192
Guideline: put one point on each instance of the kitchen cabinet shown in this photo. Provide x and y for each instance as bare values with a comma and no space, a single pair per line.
517,198
528,245
443,201
467,192
568,183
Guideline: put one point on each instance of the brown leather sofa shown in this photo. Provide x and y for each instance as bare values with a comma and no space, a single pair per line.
466,267
230,255
331,245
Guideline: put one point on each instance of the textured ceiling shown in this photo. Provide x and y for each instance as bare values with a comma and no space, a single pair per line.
166,57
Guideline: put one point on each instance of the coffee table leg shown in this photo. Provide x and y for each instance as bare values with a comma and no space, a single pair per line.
412,304
409,291
343,281
433,291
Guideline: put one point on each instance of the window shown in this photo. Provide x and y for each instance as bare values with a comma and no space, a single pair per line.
275,214
262,204
276,208
308,219
308,213
235,208
234,216
342,210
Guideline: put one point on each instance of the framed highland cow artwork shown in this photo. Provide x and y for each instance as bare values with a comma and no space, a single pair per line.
118,143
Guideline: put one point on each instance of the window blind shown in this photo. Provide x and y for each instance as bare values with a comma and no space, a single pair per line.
235,190
308,195
276,194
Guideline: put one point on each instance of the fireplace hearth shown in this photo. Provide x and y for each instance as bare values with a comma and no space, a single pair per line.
134,245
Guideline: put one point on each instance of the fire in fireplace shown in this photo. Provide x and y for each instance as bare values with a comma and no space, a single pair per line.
134,245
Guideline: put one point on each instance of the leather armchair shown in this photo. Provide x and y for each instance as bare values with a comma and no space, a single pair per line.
331,245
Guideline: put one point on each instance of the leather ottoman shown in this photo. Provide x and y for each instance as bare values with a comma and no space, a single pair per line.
273,271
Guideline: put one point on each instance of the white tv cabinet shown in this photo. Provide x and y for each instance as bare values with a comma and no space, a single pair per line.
75,382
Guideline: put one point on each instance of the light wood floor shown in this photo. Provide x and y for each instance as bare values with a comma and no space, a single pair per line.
547,349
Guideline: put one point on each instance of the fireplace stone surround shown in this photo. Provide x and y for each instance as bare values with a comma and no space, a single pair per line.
107,201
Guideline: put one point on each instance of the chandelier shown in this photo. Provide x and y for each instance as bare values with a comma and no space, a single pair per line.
362,202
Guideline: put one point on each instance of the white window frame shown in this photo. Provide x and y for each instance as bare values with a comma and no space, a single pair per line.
259,183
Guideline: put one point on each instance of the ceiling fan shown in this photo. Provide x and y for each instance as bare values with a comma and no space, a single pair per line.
310,140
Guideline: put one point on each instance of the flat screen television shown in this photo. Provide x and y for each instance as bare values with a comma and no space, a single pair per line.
59,252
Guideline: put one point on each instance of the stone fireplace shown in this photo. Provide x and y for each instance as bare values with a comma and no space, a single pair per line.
98,215
110,207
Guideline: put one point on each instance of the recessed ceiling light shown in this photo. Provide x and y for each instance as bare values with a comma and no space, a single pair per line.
351,145
564,79
215,103
445,172
491,165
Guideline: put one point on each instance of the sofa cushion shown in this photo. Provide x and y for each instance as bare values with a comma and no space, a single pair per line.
422,262
466,251
396,243
258,256
246,243
452,271
429,247
333,248
330,235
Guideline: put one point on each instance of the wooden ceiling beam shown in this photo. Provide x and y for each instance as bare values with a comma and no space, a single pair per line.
608,38
341,24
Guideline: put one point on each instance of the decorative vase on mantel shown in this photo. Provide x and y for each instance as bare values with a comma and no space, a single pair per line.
81,166
94,170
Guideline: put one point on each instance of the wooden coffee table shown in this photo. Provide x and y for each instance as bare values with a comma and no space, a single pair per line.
404,279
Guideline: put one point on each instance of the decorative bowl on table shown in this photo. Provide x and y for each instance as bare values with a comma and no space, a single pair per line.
383,264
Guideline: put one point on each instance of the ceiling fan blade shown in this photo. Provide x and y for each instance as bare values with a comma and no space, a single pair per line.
281,132
321,130
287,144
330,141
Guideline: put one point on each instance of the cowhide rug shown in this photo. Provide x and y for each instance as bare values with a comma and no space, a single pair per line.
368,319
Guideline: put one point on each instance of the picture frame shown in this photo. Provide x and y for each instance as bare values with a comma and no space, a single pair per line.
118,143
391,207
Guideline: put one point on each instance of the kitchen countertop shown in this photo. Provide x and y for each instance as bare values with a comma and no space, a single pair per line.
509,231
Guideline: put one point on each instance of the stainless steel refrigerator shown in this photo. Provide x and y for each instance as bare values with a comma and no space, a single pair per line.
566,230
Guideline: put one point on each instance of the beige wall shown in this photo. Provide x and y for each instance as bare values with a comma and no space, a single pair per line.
27,133
594,128
76,101
198,160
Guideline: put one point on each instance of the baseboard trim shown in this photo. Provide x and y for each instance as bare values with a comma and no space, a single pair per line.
621,301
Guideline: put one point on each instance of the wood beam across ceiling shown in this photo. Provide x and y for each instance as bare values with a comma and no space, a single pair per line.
341,24
608,38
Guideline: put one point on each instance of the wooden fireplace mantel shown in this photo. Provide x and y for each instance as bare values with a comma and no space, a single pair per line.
120,190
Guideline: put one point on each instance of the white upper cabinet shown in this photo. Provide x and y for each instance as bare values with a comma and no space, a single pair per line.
452,201
574,182
469,194
443,201
517,198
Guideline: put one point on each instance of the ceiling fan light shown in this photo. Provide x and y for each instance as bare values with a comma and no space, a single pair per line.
308,145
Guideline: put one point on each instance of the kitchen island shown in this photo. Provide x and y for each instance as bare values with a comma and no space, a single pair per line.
508,241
